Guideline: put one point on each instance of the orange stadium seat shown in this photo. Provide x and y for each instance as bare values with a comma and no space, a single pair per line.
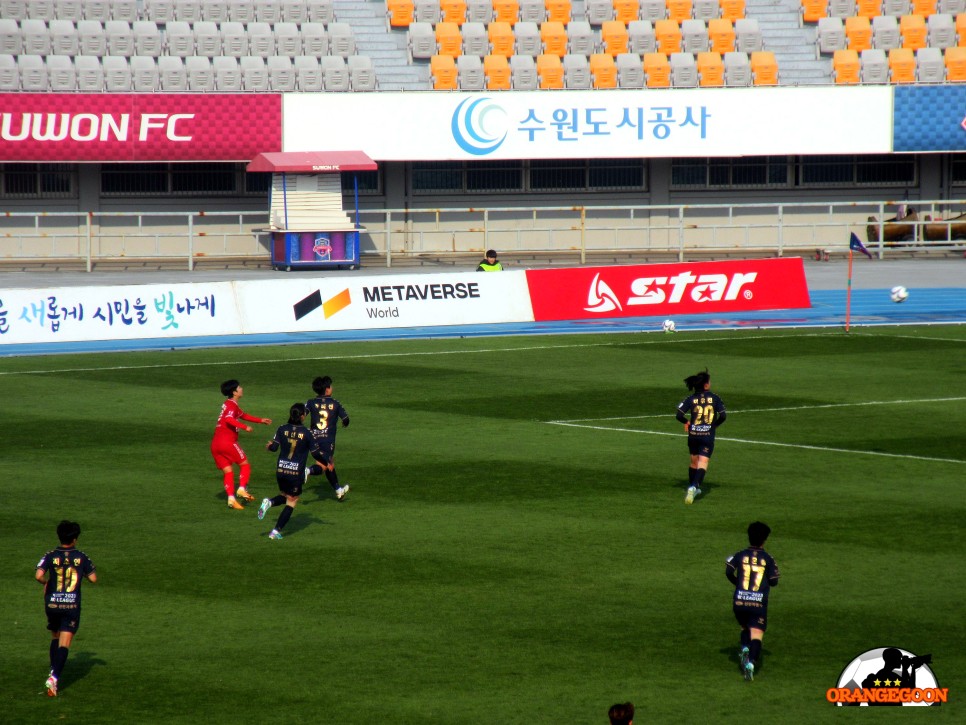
657,70
924,7
603,70
913,30
506,11
553,36
613,37
668,34
559,11
961,28
732,9
722,35
813,10
955,60
502,39
902,65
710,69
868,8
453,11
449,40
496,69
678,10
400,13
764,68
627,11
550,72
858,33
846,67
442,70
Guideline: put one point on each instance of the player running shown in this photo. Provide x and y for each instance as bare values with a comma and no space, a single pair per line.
294,443
753,572
701,412
324,410
224,445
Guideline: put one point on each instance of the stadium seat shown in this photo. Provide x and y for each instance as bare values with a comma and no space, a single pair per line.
657,70
737,69
308,74
475,40
581,39
630,70
261,39
598,12
11,40
208,40
241,11
90,74
234,39
127,10
885,32
442,72
576,72
174,76
72,10
694,36
288,39
896,8
613,38
506,11
453,11
91,39
145,77
41,9
721,33
603,71
764,68
479,11
36,37
845,67
812,11
342,40
732,9
469,73
294,11
858,33
216,11
449,40
33,73
550,72
315,41
13,9
190,11
9,73
527,38
281,74
654,10
641,38
496,69
748,36
64,39
533,11
678,10
875,66
668,35
951,7
147,38
626,11
523,73
902,65
830,35
335,73
705,10
201,77
268,11
120,38
160,11
960,23
914,31
684,70
841,8
559,11
179,39
501,37
925,8
955,61
553,39
61,75
400,13
868,8
117,74
940,31
254,73
421,40
228,73
929,65
710,69
320,11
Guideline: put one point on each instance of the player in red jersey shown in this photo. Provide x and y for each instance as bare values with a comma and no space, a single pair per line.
224,444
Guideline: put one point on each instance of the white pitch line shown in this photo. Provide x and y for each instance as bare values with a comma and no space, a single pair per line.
774,410
765,443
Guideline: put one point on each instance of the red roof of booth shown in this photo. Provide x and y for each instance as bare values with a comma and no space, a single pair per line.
313,162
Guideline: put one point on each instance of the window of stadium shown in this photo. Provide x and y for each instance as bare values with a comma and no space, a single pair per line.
370,182
587,175
743,171
851,170
194,179
958,170
44,181
538,175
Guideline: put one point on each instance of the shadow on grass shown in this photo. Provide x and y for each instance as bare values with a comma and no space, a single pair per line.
78,667
732,653
300,520
706,489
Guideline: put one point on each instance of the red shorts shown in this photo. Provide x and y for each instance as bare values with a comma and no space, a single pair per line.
226,452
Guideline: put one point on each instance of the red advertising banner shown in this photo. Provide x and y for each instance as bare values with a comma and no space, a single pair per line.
96,127
665,289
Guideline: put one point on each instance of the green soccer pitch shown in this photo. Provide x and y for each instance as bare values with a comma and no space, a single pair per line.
515,547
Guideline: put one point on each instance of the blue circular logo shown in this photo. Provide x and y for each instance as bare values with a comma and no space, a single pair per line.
479,126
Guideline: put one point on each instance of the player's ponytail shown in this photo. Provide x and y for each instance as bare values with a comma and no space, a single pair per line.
697,381
296,413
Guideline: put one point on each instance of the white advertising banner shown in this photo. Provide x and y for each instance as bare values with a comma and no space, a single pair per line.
405,300
72,314
437,125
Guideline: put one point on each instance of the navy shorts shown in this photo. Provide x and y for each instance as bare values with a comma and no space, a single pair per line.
326,447
288,485
701,445
748,617
63,620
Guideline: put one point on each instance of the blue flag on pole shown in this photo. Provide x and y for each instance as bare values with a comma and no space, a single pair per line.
857,246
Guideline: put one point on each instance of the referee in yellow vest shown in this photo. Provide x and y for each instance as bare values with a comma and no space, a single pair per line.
491,263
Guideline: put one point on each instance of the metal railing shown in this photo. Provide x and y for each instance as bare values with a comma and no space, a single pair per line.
778,229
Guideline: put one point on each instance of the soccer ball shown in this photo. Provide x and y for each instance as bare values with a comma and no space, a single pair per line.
898,293
669,326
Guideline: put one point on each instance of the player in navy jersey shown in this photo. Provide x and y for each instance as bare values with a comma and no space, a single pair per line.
62,571
754,572
294,444
324,412
701,412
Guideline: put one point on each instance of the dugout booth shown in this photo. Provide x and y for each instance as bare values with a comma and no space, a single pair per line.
308,226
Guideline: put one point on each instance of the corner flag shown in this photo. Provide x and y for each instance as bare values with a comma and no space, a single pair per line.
856,246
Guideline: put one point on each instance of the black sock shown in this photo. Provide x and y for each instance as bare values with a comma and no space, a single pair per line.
54,645
691,471
333,478
278,500
315,470
755,650
60,659
284,517
745,638
699,476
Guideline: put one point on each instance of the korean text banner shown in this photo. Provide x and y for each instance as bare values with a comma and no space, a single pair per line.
433,126
97,127
668,289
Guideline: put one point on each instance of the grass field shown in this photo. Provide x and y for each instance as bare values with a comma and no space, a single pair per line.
515,547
